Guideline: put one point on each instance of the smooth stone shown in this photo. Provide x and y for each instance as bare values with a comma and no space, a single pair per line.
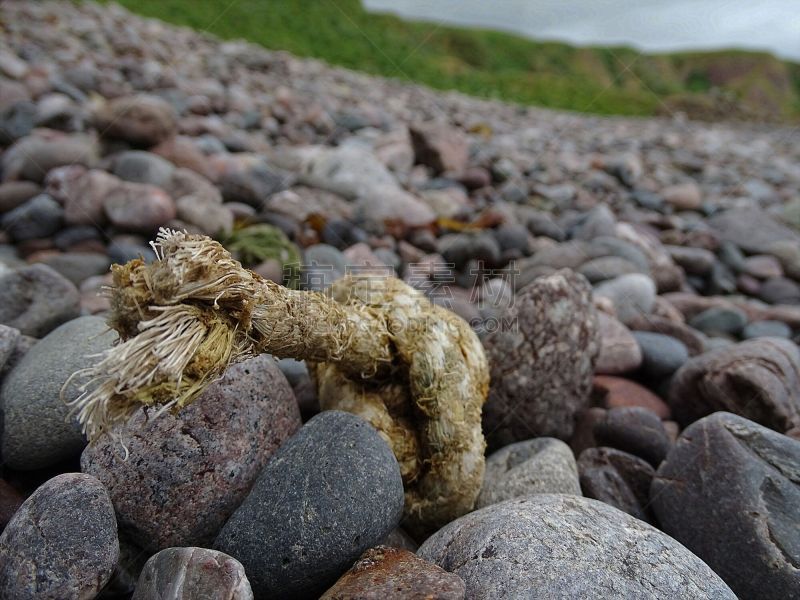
730,492
718,320
683,196
138,166
607,267
36,299
559,546
763,266
541,367
81,192
139,207
17,121
62,542
631,295
186,473
692,339
662,355
460,248
758,379
385,205
15,193
598,222
192,574
614,246
614,392
537,466
636,430
695,261
331,492
254,184
33,156
778,290
142,120
36,432
618,479
788,253
758,329
39,217
211,218
78,266
751,229
384,572
322,265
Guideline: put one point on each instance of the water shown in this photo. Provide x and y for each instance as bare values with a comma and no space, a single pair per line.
653,25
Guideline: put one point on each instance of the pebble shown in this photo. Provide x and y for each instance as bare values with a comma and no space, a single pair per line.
384,572
751,229
758,329
78,266
36,432
331,492
36,299
662,355
15,193
542,366
440,147
758,379
560,546
33,156
762,266
619,351
142,120
9,338
729,492
39,217
716,320
631,295
778,290
635,430
606,267
138,207
615,392
695,261
537,466
82,193
62,542
618,479
138,166
191,574
200,463
683,196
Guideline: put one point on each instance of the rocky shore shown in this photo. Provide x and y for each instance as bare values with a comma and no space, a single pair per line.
635,285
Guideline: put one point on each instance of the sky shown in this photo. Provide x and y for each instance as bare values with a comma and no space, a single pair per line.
652,25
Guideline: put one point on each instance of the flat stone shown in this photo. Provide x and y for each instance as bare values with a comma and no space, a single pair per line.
142,120
61,544
191,574
758,379
384,572
613,392
759,329
36,432
33,156
636,430
139,207
542,366
631,295
331,492
78,266
36,299
729,492
662,355
619,351
558,546
719,320
618,479
537,466
751,229
186,473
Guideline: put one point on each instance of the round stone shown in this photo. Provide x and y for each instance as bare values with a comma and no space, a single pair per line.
730,491
558,546
62,542
537,466
662,355
174,480
36,430
331,492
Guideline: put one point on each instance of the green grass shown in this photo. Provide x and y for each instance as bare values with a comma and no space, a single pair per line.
485,63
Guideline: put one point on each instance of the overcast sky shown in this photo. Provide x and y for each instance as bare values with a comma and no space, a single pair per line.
655,25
